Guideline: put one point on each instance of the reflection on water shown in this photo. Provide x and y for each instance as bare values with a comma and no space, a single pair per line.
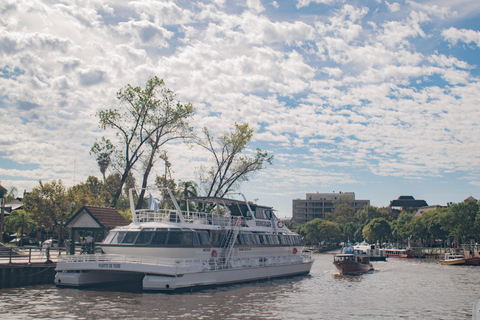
399,288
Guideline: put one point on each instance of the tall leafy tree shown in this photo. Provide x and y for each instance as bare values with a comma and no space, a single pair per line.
48,204
150,119
377,229
231,166
318,230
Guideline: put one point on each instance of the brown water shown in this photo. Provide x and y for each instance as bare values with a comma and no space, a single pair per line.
397,289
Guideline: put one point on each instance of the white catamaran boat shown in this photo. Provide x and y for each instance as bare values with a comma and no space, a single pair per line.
170,249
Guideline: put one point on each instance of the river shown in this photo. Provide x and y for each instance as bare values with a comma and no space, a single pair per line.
397,289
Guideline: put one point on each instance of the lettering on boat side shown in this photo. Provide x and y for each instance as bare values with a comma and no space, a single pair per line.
260,223
109,265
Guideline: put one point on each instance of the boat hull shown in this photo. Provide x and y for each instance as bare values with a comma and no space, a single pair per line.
473,261
453,262
351,265
168,275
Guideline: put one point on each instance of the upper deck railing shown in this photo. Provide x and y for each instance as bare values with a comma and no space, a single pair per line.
170,215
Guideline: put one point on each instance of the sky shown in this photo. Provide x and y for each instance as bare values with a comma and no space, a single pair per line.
380,98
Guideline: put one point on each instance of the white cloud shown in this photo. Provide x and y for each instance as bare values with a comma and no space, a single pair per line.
393,7
330,90
454,35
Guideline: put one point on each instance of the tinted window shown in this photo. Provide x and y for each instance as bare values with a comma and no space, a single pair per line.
202,238
174,238
109,237
130,237
144,237
118,237
159,238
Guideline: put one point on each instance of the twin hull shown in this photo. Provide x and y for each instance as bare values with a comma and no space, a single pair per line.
171,274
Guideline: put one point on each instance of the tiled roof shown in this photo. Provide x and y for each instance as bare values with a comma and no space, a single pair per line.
408,203
106,217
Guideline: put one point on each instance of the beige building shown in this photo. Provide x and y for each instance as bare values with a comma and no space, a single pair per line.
315,205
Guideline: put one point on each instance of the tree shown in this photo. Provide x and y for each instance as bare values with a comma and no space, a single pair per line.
186,189
230,166
460,220
368,213
318,230
20,222
90,192
48,204
152,118
377,229
103,151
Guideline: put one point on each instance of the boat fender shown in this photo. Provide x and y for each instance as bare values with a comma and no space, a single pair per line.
294,250
214,253
280,224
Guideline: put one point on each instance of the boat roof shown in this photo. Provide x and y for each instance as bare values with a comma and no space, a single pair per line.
226,201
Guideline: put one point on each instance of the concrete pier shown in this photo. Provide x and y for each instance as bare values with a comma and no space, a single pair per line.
20,274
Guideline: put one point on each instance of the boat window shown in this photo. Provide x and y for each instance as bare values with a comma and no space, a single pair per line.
263,239
144,237
249,239
201,238
118,237
216,238
159,237
174,238
187,239
130,237
259,213
110,236
273,239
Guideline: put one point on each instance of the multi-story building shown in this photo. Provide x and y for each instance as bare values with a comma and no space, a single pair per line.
315,205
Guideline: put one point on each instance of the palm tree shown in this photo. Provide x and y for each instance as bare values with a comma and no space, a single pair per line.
20,222
186,189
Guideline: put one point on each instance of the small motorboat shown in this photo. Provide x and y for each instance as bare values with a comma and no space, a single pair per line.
453,259
351,262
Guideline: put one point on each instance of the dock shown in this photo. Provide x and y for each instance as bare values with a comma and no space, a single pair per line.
27,266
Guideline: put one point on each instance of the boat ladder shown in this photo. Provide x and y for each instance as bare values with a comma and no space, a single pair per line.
230,240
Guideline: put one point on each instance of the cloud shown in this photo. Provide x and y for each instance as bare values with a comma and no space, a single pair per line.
454,35
145,32
91,76
339,92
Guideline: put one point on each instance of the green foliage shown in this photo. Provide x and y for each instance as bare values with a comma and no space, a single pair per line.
377,229
48,204
230,165
150,119
103,151
20,222
318,230
368,213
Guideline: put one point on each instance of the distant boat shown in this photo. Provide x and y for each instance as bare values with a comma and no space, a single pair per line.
400,253
453,259
371,250
350,262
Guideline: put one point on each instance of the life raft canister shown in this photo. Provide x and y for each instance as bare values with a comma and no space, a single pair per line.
214,253
280,224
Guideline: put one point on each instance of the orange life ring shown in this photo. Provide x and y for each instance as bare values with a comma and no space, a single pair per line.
280,224
214,253
294,250
238,221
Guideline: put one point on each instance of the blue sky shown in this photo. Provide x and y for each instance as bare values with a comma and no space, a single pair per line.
380,98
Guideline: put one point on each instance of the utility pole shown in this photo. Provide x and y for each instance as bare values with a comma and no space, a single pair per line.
2,218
